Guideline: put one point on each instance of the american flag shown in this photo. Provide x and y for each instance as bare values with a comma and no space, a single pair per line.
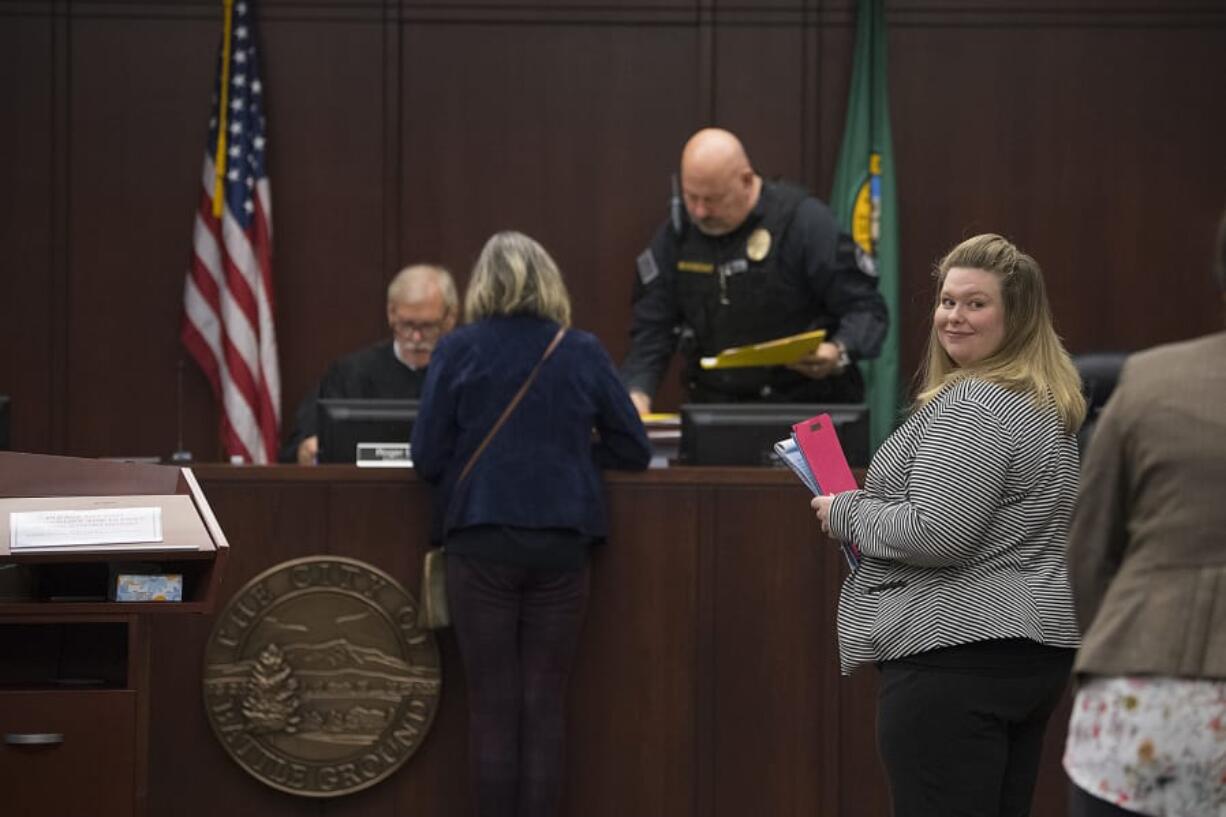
227,302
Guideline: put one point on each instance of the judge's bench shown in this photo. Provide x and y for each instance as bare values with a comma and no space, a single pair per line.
706,684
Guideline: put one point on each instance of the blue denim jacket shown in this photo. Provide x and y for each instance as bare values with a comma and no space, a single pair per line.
541,470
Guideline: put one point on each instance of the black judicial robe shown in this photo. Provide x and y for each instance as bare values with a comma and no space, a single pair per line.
371,373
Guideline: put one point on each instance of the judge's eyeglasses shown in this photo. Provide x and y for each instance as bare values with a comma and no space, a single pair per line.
425,329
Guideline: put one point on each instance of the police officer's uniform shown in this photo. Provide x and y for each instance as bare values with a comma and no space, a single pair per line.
787,269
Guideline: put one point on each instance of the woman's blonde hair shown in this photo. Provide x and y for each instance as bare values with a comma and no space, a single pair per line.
1031,359
515,276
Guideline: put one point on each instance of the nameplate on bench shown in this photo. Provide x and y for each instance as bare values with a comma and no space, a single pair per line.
384,455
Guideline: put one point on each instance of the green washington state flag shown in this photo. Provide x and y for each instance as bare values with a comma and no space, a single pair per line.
864,200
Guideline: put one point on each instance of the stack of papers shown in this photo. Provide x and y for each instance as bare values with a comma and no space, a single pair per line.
664,434
789,452
103,528
814,453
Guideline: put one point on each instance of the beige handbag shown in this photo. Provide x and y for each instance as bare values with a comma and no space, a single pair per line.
432,613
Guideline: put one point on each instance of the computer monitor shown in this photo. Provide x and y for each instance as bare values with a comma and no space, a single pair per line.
343,423
746,433
4,422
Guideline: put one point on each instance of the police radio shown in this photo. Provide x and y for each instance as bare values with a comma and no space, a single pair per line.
674,207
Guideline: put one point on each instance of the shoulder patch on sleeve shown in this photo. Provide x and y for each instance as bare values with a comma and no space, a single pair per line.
648,270
849,253
866,262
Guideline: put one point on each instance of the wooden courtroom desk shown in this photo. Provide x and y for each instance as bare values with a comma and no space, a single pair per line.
706,682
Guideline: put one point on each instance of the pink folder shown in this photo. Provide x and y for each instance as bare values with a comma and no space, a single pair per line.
820,445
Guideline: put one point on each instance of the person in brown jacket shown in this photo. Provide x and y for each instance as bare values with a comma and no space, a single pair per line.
1147,562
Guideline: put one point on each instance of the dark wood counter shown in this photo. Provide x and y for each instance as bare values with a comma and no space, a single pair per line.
706,683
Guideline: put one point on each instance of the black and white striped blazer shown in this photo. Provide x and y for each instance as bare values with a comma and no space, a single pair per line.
962,522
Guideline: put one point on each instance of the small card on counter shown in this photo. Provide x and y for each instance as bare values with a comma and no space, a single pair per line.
384,455
142,587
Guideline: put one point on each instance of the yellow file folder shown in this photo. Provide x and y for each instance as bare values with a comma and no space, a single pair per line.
779,352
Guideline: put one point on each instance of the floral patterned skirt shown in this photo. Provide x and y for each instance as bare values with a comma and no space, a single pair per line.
1152,745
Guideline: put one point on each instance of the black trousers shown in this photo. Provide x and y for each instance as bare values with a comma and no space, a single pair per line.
960,730
518,628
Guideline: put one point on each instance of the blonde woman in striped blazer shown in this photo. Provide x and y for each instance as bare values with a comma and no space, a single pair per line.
962,598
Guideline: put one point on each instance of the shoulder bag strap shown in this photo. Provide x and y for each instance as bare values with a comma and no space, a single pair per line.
519,395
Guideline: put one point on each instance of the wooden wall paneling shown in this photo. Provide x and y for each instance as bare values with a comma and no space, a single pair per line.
325,79
835,46
139,104
706,654
774,662
1078,142
705,64
811,91
760,88
863,790
29,313
1096,13
567,133
392,214
470,10
1086,129
190,772
1141,228
633,733
61,208
381,523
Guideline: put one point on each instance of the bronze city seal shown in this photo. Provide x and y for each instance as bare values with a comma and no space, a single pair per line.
317,679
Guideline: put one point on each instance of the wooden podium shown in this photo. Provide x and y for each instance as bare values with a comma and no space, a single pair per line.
74,665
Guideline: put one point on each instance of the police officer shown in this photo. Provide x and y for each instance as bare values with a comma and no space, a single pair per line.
754,261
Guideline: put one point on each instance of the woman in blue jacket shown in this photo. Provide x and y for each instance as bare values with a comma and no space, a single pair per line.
519,526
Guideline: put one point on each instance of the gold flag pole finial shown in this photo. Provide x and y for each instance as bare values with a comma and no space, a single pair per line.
223,103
